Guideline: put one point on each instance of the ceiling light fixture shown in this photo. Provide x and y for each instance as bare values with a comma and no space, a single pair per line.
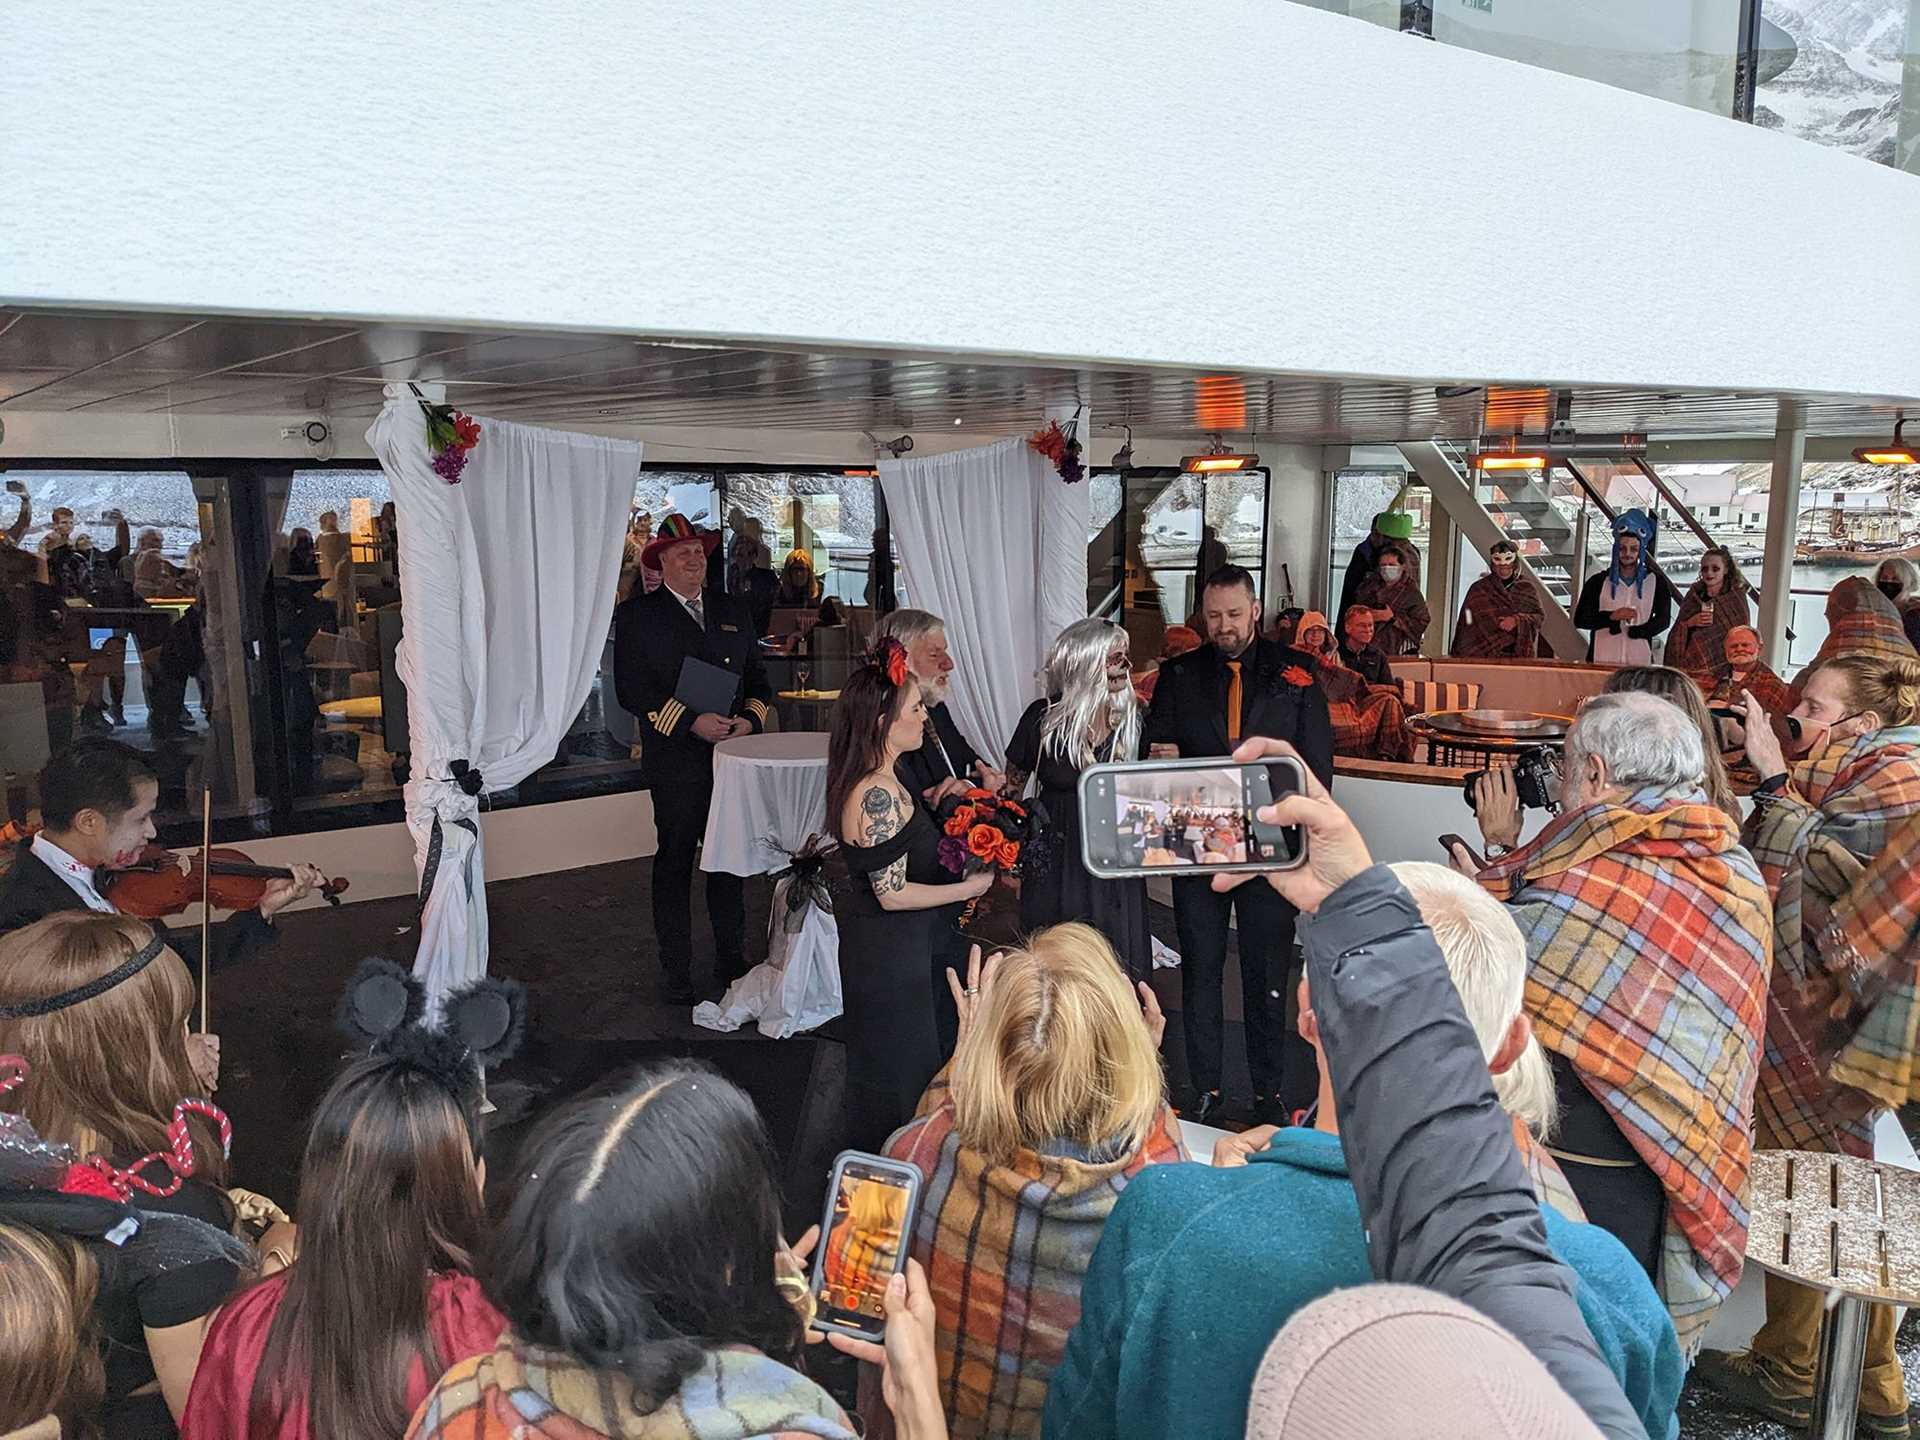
1537,452
1898,453
1217,459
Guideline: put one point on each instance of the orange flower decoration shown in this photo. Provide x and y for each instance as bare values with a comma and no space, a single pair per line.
1294,675
959,822
1014,807
974,792
1008,854
983,841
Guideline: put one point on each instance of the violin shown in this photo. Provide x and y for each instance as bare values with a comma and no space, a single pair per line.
156,885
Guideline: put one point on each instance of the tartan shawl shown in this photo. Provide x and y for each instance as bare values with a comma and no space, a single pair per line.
524,1392
1841,1017
1773,693
1860,621
1411,617
1647,930
1478,635
1368,720
1005,1248
1704,651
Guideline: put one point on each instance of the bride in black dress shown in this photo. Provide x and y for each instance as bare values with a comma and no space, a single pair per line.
891,852
1091,714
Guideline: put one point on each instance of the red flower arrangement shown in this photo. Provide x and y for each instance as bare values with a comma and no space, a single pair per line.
982,831
1062,447
450,435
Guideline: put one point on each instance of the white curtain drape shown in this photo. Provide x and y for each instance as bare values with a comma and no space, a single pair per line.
507,588
995,543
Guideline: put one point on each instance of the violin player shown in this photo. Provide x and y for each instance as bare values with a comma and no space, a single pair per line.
96,805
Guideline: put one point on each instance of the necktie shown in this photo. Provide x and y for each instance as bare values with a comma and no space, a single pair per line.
699,615
1233,702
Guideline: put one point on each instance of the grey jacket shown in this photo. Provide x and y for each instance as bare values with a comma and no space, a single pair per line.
1446,1201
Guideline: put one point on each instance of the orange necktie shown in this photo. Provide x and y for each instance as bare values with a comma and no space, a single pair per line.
1233,702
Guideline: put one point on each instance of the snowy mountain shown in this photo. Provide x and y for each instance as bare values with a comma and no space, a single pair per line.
1843,88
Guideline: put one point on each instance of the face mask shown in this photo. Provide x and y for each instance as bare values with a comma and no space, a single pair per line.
1390,573
1889,588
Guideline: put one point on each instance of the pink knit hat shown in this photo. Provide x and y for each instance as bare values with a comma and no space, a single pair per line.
1385,1360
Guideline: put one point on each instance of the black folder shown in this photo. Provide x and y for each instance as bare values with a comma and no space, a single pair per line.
706,689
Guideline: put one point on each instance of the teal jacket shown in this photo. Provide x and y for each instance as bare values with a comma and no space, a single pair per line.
1198,1269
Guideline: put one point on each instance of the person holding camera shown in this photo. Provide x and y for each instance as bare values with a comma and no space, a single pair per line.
1647,932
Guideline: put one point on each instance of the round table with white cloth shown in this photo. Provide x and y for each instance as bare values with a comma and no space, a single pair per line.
764,787
769,799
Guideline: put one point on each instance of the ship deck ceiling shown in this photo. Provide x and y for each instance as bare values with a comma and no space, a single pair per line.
210,365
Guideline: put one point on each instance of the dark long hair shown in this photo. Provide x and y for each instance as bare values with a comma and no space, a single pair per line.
1736,578
867,705
642,1232
387,1198
1677,688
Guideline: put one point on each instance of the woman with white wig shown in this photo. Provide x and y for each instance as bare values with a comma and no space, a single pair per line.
1091,714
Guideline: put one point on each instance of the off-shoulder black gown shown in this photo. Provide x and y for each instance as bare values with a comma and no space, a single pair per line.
886,983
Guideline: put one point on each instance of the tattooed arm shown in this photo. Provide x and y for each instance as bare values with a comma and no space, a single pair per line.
1016,782
885,810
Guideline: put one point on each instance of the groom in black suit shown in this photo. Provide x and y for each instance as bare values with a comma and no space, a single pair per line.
1205,703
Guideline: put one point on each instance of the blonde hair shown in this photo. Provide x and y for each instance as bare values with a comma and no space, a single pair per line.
1890,687
1059,1051
1487,957
106,1072
47,1349
878,1210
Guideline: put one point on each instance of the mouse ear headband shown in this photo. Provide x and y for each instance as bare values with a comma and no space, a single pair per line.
480,1027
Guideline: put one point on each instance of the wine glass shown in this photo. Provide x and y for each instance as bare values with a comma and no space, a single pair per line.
802,674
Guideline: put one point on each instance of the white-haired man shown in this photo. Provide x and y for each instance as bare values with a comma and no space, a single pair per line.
945,764
1648,932
1197,1268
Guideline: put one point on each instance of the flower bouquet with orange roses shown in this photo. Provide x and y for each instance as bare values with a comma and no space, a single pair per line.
985,831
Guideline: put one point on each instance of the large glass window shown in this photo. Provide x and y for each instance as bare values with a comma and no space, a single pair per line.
124,612
1178,529
1844,74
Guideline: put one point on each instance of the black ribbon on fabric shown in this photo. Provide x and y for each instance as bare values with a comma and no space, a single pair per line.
470,780
807,869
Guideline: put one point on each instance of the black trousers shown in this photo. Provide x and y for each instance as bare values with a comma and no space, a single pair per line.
1280,1060
680,821
950,947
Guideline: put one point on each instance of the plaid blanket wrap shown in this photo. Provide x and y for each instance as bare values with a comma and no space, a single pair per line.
1005,1248
1702,651
1368,720
1411,617
1647,931
1773,693
1843,1005
1860,621
1477,634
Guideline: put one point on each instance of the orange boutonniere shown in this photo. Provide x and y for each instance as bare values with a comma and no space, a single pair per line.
1007,855
982,841
1294,675
960,821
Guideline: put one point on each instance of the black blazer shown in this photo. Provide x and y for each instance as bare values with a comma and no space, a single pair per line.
920,770
1189,708
32,891
1588,615
652,634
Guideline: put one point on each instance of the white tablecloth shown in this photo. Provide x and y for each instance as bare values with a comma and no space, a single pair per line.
764,785
773,787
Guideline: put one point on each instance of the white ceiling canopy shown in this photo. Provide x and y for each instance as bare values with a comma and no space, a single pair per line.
119,364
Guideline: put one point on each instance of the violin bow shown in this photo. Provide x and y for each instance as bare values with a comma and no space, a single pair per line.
206,889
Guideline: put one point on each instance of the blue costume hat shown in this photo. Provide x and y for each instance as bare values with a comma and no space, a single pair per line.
1646,529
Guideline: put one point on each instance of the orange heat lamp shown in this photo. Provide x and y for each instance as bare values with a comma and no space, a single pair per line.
1484,460
1898,453
1213,464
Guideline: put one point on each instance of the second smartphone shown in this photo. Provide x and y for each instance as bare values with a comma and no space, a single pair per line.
1159,817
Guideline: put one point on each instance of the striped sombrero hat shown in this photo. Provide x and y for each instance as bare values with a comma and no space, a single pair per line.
675,528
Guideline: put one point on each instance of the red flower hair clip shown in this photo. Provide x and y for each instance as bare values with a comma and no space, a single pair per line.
890,659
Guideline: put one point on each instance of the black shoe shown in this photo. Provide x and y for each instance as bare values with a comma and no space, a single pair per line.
1749,1382
1206,1110
678,992
1271,1110
117,716
95,722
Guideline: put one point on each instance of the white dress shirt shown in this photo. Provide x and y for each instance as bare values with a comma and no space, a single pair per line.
78,877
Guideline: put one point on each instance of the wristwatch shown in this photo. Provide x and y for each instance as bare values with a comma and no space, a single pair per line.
1495,850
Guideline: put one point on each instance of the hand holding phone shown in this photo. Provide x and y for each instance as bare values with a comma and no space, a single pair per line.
1154,817
867,1227
1332,851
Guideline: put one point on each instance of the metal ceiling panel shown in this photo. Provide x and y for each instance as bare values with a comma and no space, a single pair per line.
212,365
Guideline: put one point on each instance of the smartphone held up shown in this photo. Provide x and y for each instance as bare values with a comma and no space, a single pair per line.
865,1232
1156,817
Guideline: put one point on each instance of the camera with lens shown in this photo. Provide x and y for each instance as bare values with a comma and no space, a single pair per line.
1536,779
